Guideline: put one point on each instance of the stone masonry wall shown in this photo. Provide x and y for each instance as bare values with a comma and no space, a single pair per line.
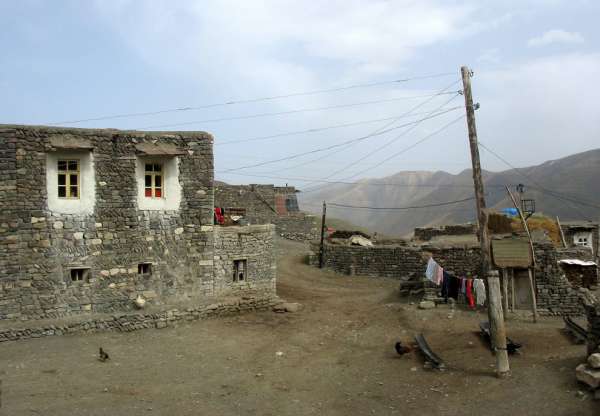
140,320
398,262
37,246
299,226
252,243
426,234
555,294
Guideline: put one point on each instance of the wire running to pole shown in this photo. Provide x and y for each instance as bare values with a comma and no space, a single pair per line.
404,150
288,112
440,204
251,100
407,113
295,156
539,187
318,129
323,180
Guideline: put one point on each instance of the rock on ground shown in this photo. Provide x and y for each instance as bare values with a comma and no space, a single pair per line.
588,375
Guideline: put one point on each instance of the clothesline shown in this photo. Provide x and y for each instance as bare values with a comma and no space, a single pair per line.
473,289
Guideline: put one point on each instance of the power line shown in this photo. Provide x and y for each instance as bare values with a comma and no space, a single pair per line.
539,187
340,182
411,111
389,142
295,156
440,204
288,112
318,129
251,100
404,150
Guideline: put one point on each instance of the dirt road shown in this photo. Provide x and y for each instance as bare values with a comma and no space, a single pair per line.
337,359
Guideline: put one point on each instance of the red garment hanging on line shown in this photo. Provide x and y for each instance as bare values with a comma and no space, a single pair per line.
469,290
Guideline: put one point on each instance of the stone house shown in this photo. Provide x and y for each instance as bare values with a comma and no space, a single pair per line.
92,219
268,204
581,234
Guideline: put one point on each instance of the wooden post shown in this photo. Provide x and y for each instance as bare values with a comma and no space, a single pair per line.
505,292
322,245
529,269
562,235
512,290
498,334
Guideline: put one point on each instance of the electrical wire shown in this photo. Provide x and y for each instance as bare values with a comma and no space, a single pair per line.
440,204
539,187
319,129
295,156
386,144
407,113
288,112
251,100
404,150
363,183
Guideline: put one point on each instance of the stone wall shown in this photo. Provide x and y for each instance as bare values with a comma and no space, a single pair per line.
299,227
140,320
251,243
555,294
397,261
427,233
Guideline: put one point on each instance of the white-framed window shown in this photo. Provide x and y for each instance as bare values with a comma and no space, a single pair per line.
68,178
153,180
583,239
158,183
70,181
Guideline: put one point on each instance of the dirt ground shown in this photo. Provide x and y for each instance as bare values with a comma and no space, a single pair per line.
337,359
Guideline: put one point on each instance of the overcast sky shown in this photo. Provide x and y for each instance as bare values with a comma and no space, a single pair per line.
536,70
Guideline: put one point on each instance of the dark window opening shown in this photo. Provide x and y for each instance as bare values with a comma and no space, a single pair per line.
80,275
145,269
240,268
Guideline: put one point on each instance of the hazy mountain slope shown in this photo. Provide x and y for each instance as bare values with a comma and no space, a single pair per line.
576,176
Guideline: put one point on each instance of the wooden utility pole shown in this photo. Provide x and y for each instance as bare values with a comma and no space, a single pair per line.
322,245
532,251
562,234
498,333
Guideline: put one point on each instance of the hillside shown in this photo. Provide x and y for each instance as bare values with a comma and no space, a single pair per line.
551,184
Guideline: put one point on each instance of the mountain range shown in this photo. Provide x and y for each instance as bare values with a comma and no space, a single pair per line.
568,187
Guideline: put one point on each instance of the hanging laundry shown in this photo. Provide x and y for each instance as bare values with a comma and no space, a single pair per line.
469,293
445,285
439,275
431,271
480,295
453,287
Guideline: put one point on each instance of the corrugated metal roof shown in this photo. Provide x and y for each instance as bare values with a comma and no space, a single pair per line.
511,252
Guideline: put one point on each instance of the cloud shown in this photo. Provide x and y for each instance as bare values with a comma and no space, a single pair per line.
556,36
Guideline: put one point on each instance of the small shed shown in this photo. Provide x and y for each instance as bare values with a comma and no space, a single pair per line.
514,258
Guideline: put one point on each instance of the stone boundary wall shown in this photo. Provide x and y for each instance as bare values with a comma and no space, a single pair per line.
555,294
397,262
426,234
137,321
298,227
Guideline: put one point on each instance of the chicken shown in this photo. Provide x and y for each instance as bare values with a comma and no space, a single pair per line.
103,356
401,349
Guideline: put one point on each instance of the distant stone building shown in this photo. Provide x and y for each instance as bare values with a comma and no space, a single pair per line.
92,219
581,234
268,204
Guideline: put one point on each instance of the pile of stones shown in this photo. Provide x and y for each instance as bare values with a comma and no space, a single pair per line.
588,373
